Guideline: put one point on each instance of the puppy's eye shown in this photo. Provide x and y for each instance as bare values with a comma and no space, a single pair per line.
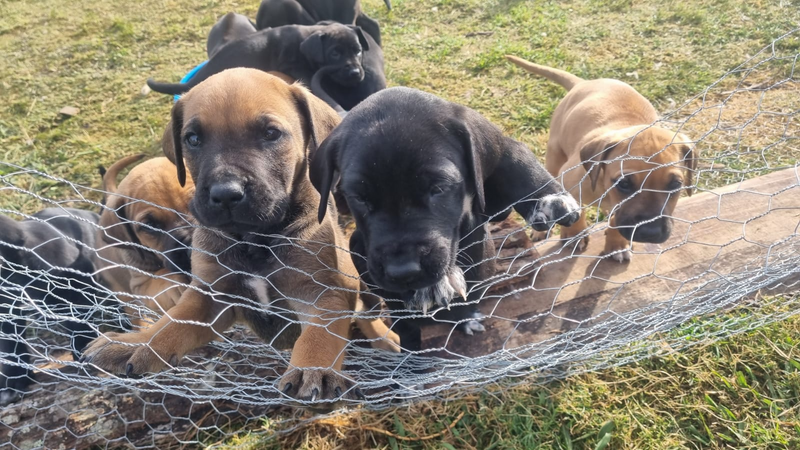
149,226
335,54
192,140
624,185
361,201
439,189
675,184
272,135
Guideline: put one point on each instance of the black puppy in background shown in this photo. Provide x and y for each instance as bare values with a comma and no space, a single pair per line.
228,28
422,178
275,13
343,99
295,50
43,263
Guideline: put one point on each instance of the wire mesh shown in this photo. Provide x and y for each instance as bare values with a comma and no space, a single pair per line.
735,241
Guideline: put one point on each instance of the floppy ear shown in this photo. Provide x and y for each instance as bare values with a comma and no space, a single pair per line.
504,171
324,172
361,39
114,225
690,159
176,153
313,49
319,119
473,149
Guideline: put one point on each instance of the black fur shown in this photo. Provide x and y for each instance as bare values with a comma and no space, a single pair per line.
422,176
43,247
295,50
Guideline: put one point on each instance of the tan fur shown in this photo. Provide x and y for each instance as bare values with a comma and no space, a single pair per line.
153,182
327,298
594,116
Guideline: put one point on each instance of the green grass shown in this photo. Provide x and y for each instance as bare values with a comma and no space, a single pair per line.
740,392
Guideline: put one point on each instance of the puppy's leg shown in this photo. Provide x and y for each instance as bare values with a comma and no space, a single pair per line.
372,326
617,247
167,341
574,230
314,371
14,379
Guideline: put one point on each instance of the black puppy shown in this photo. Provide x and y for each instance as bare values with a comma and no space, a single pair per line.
422,177
295,50
229,28
342,98
43,263
275,13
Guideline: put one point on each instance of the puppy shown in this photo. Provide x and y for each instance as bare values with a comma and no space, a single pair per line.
636,169
342,98
422,177
229,28
275,13
294,50
145,224
46,261
246,137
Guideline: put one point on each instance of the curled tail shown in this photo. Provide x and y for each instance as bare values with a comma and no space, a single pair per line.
319,91
565,79
110,175
168,88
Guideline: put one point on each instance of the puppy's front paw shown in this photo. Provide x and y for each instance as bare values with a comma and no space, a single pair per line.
317,384
554,209
620,255
125,353
472,326
389,343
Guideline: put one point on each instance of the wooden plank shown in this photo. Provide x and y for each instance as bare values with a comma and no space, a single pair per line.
716,234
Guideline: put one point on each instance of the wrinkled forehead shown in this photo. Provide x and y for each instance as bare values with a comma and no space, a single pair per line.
230,101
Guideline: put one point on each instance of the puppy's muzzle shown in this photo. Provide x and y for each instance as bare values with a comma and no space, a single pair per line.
349,75
644,229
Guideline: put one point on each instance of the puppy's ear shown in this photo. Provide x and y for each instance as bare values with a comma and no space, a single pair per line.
114,225
595,151
690,159
361,39
473,147
176,153
319,119
313,49
10,234
506,173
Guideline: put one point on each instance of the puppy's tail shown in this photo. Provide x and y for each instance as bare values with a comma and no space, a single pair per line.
168,88
565,79
110,175
388,4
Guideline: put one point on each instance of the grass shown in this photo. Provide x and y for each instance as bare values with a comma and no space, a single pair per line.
738,392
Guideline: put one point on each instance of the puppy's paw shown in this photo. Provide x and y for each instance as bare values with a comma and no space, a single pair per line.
579,243
441,293
473,325
389,343
538,236
125,354
313,385
622,256
561,209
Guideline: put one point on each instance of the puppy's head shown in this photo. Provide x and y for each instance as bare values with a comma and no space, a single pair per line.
245,136
418,173
642,176
340,47
143,210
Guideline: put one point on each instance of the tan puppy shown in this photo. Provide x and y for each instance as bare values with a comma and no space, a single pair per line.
636,170
246,137
145,226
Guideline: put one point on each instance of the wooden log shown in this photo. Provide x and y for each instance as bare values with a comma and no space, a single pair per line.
725,233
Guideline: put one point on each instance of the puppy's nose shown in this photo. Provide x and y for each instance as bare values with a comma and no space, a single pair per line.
403,272
227,193
354,72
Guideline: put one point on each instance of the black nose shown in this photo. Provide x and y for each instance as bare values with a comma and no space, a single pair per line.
655,231
226,194
354,72
403,272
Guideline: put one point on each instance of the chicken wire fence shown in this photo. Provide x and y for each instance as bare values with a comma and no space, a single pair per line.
551,311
